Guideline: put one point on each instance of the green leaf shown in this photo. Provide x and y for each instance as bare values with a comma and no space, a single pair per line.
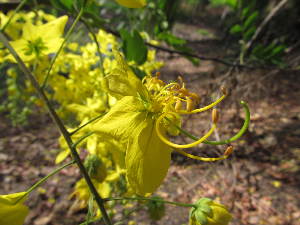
247,35
235,29
170,39
250,21
245,12
67,3
134,46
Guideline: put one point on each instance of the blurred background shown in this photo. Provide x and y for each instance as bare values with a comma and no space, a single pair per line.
252,47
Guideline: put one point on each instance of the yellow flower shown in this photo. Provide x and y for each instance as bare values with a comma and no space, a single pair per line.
40,40
12,209
132,3
208,212
139,121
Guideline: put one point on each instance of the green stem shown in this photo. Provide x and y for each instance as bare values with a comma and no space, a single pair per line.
41,181
149,199
70,31
87,123
60,126
227,141
77,142
19,7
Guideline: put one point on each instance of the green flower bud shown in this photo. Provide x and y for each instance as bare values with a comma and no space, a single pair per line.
208,212
156,210
95,168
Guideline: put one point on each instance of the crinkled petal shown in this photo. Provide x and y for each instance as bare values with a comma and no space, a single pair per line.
122,81
147,159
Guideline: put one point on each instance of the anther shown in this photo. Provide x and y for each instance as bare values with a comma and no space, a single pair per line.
224,90
157,74
195,97
189,104
184,91
228,151
215,115
178,105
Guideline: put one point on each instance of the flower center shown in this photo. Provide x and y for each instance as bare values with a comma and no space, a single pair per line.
35,47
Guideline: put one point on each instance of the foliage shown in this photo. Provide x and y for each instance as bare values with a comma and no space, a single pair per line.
249,17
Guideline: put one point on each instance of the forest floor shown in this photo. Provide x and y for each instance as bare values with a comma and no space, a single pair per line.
259,183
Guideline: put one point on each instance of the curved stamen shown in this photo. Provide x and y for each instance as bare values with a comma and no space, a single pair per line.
203,108
225,156
226,141
165,140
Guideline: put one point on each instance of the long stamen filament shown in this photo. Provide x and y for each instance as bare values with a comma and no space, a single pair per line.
200,158
203,108
165,140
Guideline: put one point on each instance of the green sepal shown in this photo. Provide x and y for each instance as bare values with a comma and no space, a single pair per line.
205,208
200,217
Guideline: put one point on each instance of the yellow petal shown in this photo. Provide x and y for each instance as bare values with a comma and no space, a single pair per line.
132,3
147,159
220,216
62,156
122,81
12,209
53,29
121,121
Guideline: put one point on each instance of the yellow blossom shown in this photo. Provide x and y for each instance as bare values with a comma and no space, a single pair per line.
12,209
40,40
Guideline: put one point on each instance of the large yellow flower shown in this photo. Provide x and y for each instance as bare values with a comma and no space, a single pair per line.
145,111
12,209
40,40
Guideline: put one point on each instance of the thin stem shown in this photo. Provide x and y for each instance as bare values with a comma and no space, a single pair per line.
77,142
41,181
149,199
70,31
97,43
87,123
19,7
60,126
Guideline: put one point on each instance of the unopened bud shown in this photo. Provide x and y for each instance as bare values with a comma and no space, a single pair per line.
228,151
224,90
215,116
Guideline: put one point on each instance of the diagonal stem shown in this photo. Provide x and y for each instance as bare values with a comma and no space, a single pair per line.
60,126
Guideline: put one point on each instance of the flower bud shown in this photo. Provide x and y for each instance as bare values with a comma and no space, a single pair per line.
95,168
208,212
